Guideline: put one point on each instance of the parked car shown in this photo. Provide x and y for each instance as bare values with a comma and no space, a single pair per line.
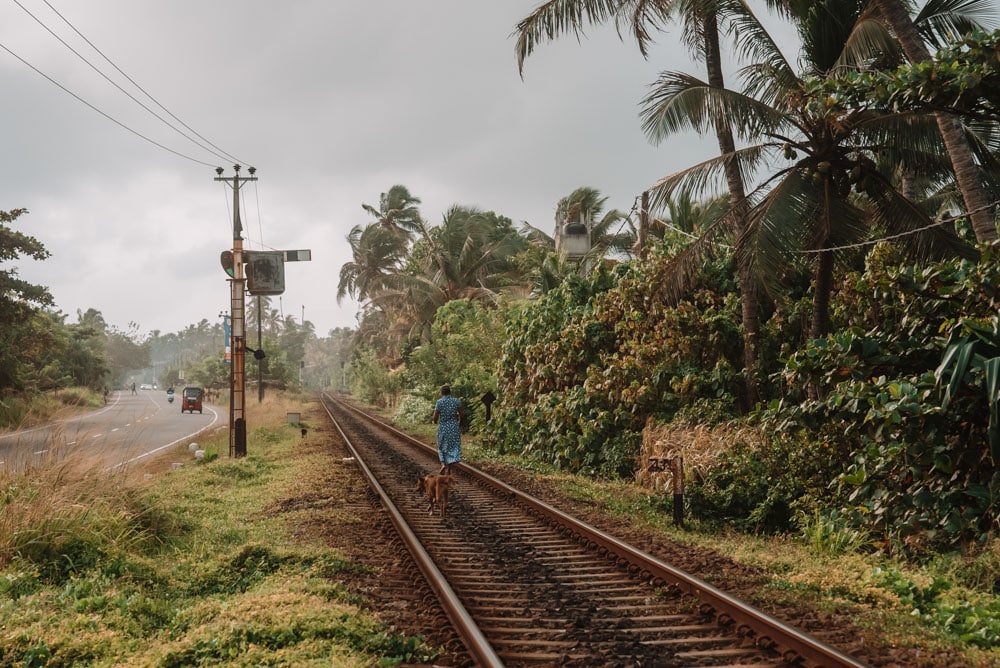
191,399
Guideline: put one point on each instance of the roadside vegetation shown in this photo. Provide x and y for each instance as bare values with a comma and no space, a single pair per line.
808,319
186,566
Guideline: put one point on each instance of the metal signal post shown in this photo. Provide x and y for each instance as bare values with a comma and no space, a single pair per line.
237,322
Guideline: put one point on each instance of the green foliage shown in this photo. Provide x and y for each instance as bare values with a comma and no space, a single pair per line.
252,564
371,380
759,487
466,340
829,534
211,371
963,77
972,358
414,410
584,366
918,470
974,623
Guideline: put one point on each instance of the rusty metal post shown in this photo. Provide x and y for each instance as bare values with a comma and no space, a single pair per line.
237,324
677,466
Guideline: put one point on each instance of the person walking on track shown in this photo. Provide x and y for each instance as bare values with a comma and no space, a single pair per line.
448,416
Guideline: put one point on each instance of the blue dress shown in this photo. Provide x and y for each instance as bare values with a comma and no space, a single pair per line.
449,438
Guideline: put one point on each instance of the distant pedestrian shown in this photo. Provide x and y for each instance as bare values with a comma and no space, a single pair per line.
447,416
133,389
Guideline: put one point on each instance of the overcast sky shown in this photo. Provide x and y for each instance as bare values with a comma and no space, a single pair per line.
332,101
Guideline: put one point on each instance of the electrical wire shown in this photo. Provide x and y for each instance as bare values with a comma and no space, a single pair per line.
872,242
216,153
102,113
144,91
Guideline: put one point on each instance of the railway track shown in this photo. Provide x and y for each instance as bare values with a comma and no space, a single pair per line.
523,584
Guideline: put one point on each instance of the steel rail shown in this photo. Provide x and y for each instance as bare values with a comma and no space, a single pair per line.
809,650
472,637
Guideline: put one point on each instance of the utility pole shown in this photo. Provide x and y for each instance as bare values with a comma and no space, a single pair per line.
237,322
260,360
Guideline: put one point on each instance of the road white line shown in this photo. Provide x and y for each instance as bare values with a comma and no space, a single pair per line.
215,418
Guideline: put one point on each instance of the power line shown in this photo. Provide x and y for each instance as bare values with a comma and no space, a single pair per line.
918,230
134,83
107,116
216,153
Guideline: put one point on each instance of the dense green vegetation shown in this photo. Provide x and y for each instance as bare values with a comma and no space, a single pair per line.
839,302
825,287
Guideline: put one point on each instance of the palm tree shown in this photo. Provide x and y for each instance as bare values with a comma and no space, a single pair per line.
701,33
688,217
469,256
806,209
378,252
954,18
397,212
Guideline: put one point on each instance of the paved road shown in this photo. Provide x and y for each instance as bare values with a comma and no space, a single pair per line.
129,428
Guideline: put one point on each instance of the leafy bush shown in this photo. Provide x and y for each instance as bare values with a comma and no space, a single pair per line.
585,365
917,469
371,380
414,410
466,340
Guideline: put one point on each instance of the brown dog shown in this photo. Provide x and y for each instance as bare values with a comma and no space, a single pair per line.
435,490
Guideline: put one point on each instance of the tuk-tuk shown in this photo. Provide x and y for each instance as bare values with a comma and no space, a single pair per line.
191,399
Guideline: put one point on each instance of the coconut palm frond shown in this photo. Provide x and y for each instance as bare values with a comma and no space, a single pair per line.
645,16
753,42
779,228
943,21
537,236
824,30
761,82
682,273
678,101
558,17
910,228
869,43
397,210
706,177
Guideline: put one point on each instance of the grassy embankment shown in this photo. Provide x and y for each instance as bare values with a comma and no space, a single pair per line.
947,604
21,412
178,567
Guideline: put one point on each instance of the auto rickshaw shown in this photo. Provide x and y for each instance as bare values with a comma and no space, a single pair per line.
191,399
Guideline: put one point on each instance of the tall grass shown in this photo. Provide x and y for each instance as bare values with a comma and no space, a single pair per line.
27,410
64,513
180,565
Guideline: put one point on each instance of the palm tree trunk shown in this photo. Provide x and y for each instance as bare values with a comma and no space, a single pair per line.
749,297
822,289
980,212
